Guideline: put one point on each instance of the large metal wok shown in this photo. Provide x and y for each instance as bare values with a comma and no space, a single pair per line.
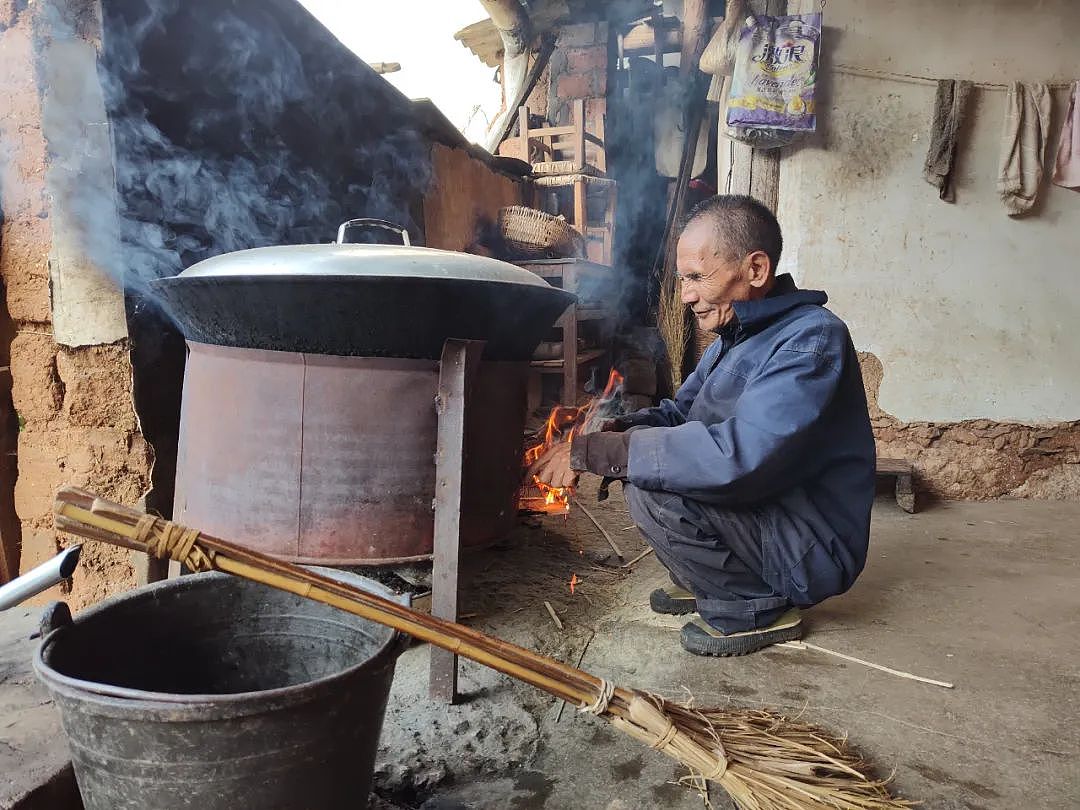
362,300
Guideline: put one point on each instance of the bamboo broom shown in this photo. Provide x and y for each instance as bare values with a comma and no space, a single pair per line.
762,759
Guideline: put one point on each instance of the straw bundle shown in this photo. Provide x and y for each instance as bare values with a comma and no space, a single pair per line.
762,759
671,321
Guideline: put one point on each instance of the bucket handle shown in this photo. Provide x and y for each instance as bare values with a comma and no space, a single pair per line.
55,616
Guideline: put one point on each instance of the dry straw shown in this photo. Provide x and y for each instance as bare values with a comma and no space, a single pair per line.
764,760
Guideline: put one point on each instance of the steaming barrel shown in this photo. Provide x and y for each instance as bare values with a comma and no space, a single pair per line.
319,458
308,421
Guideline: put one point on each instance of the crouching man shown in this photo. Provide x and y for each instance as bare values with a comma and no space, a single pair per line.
754,485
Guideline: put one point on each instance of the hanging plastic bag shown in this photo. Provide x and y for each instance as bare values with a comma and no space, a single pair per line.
776,73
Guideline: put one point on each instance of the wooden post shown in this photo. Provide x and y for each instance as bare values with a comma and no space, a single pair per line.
523,130
743,169
695,34
577,120
457,370
569,324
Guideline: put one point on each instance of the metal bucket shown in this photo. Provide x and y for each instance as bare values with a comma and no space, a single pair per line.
210,691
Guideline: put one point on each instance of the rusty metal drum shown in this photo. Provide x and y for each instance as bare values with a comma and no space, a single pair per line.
330,459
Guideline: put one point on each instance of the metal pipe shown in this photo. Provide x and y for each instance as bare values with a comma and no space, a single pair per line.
49,573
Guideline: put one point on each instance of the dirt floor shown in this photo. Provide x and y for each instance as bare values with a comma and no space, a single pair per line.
980,595
983,595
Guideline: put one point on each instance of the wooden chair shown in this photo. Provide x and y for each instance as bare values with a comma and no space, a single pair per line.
560,158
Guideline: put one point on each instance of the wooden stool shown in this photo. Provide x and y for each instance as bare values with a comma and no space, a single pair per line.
902,471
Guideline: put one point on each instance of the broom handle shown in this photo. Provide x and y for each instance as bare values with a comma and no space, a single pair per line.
84,514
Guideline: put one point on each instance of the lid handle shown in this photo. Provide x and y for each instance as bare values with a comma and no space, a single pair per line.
367,222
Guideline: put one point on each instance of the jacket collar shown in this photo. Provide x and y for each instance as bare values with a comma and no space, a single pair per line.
784,296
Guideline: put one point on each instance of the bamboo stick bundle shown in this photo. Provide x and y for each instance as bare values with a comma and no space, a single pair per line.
762,759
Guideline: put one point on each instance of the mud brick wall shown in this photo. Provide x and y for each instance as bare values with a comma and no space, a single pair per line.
201,129
73,404
978,459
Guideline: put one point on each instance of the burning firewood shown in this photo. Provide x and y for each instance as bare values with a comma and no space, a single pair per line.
563,423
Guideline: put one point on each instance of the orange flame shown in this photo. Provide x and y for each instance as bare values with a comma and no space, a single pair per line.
561,425
573,583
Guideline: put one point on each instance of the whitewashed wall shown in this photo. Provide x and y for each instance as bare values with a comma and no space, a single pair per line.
972,314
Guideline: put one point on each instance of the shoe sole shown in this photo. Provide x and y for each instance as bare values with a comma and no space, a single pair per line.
700,643
660,602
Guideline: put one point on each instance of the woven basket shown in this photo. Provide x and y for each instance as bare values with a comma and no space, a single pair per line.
531,234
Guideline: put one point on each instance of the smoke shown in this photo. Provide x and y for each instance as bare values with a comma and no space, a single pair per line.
231,125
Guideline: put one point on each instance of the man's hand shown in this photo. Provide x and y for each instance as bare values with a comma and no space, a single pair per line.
553,467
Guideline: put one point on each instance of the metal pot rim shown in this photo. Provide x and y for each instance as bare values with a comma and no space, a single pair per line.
351,261
120,700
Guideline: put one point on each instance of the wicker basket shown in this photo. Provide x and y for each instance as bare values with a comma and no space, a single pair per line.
531,234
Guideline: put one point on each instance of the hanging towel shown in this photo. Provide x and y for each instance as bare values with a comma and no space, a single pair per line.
1067,169
1023,141
949,106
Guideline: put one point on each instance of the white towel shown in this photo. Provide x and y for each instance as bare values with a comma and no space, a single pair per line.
1067,167
1023,142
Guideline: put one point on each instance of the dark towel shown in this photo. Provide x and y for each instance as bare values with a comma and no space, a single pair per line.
949,105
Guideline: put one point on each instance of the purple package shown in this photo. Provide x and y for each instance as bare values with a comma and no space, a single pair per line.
775,73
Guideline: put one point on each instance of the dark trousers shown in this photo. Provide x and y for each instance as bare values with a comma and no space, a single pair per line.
716,553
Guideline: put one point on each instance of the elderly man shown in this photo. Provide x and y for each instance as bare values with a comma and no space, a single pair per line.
754,485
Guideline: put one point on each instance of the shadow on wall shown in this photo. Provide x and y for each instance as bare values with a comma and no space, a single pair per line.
10,526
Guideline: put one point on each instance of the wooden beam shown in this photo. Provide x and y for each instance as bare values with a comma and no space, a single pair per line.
642,39
513,25
695,34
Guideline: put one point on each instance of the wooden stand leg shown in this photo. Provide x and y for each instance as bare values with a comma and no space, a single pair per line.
148,569
457,370
569,325
905,493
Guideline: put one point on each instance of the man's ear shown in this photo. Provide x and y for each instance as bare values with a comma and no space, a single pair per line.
758,268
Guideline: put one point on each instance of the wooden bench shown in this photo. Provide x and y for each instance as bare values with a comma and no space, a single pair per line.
902,471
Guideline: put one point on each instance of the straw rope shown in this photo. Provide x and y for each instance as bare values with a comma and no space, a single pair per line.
603,700
167,540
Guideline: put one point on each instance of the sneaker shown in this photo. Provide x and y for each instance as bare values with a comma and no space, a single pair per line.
672,600
700,638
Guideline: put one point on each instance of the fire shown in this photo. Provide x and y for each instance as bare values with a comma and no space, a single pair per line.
562,424
573,583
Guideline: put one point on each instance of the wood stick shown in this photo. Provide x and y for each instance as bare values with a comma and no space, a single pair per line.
806,645
580,658
603,531
553,614
639,557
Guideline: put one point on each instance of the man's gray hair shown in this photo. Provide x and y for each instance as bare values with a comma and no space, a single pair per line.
743,225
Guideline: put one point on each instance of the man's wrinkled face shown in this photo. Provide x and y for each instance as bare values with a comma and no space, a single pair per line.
711,279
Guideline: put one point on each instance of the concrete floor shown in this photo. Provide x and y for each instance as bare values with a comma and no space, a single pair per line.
982,595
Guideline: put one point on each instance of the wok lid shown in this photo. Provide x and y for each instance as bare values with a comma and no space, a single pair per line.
362,300
352,261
